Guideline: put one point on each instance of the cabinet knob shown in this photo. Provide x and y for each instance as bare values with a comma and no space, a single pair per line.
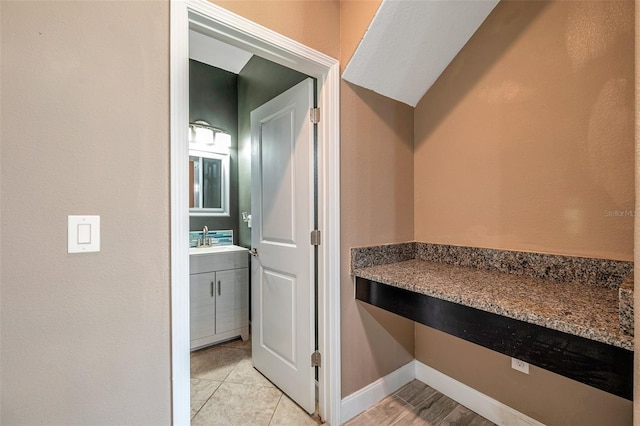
219,289
211,288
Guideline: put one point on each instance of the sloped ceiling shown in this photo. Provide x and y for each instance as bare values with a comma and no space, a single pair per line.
212,52
410,42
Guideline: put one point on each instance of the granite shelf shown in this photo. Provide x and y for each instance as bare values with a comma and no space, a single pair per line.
570,328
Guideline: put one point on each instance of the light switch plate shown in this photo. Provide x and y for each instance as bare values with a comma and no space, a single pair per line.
83,234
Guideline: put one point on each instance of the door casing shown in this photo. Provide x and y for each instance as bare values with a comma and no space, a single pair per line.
230,28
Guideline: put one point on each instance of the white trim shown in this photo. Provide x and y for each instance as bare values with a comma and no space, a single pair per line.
225,26
368,396
487,407
474,400
179,96
330,394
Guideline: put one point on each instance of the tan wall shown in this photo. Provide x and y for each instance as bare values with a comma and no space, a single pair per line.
377,207
542,395
355,17
526,140
313,23
85,130
524,143
376,201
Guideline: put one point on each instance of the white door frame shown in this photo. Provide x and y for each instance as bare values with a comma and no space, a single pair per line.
235,30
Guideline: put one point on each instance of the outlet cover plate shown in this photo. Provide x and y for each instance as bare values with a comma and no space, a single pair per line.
520,365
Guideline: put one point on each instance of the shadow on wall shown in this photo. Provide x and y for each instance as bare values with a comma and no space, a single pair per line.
389,111
467,68
377,161
376,322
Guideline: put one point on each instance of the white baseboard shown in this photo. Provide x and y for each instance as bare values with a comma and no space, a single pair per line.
375,392
482,404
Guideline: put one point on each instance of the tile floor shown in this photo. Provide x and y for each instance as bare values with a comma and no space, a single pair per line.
227,390
418,404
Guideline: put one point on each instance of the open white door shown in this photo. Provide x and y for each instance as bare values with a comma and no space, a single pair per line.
282,285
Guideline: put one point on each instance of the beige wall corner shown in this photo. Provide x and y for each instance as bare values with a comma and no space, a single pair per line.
525,142
85,130
377,207
313,23
542,395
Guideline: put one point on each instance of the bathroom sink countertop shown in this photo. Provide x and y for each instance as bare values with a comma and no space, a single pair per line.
216,249
575,308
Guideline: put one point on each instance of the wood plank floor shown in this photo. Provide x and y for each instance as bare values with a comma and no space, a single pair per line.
418,404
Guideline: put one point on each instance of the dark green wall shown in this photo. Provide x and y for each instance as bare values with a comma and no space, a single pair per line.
259,81
213,97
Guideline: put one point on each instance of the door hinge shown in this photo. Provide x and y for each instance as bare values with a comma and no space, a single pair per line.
316,237
315,359
314,115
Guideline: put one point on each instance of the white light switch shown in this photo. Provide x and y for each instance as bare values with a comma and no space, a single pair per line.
83,234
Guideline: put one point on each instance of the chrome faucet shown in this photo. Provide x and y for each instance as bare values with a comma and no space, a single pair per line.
205,231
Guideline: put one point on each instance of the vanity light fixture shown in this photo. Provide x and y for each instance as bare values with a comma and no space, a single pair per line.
201,132
223,139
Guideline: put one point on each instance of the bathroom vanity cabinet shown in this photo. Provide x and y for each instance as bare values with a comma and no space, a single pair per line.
219,297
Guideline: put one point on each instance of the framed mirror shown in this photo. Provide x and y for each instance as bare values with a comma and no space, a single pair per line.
208,183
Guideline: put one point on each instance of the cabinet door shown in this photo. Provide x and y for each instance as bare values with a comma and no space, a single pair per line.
232,300
202,301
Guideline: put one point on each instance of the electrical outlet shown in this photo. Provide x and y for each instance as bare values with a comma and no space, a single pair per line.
520,365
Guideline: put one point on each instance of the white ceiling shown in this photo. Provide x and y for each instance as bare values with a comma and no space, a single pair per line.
212,52
410,42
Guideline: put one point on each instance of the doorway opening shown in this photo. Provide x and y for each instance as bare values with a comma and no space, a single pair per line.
224,26
271,175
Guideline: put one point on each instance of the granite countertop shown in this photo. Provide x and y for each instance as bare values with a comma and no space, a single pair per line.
571,307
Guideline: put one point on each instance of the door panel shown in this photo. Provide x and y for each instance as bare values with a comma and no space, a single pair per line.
202,305
278,179
282,215
232,300
278,314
